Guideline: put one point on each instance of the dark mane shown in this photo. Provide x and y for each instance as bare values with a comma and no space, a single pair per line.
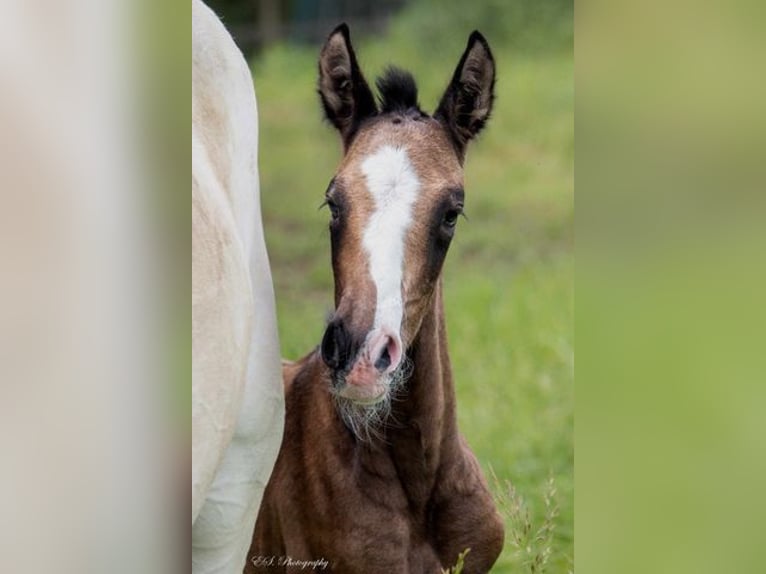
398,92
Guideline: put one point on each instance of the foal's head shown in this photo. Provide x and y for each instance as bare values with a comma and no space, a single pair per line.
394,203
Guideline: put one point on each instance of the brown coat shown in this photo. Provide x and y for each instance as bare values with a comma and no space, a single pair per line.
408,502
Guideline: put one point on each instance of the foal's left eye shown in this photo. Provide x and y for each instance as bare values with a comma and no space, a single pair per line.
450,218
334,209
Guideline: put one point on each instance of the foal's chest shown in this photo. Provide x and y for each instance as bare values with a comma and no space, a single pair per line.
377,518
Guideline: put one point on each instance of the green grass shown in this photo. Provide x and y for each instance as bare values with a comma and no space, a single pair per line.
508,279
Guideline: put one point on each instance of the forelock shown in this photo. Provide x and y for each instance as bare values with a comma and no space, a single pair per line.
397,91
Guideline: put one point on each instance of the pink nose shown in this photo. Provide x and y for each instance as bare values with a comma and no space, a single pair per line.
386,351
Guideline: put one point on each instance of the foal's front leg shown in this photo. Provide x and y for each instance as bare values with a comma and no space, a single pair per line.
465,517
267,546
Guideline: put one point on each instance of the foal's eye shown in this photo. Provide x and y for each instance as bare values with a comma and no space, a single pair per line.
334,209
450,218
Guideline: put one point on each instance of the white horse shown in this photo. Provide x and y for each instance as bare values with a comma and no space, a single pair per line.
237,396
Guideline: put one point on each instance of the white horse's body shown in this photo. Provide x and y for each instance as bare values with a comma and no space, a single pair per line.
237,397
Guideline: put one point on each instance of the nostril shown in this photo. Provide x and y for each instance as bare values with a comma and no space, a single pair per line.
332,345
390,354
384,360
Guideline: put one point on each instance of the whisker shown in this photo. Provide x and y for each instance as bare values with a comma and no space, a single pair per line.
368,423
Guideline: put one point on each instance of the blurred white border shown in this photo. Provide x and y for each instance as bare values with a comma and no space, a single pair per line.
86,467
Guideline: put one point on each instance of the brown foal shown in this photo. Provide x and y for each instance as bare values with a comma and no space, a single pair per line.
373,475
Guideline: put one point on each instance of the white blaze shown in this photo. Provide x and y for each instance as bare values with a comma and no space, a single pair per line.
393,185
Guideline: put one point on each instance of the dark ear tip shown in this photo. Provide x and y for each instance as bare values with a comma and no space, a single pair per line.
477,36
341,28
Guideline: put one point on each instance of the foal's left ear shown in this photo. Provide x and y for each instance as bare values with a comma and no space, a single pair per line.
467,102
346,97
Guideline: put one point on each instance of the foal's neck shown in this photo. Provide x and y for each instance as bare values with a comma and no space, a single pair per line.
426,411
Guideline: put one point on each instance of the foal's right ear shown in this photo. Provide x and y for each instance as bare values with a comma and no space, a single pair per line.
346,97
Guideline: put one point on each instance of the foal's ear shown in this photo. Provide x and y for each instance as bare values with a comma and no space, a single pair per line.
467,102
346,97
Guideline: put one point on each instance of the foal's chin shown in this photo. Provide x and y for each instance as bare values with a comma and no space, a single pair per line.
367,395
364,395
364,409
367,384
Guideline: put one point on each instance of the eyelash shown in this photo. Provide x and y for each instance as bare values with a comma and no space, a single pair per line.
333,207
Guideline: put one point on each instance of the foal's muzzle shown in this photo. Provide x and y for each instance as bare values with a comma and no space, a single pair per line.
361,363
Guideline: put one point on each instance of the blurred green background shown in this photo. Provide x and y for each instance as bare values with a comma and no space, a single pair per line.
508,279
